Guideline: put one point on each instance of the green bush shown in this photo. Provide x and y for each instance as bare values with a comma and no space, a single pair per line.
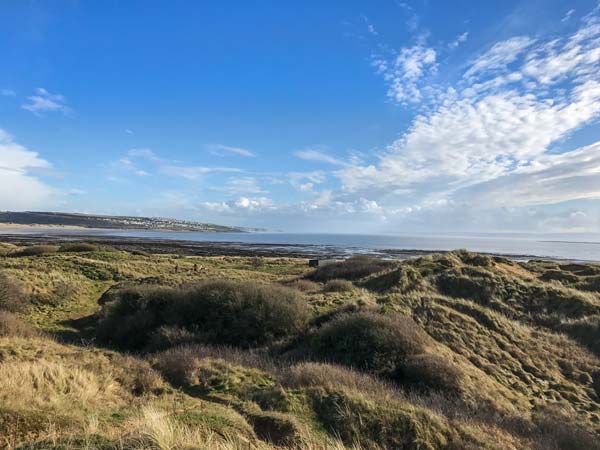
351,269
338,286
78,247
243,314
369,341
36,250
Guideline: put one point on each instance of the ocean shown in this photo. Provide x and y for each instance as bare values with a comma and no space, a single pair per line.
580,247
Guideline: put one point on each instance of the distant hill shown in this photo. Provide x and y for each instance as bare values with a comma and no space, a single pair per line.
112,222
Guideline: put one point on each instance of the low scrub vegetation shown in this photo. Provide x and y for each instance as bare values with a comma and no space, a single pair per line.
243,314
35,250
11,295
369,341
78,247
460,351
338,286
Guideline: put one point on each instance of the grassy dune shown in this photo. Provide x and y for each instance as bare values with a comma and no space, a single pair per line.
105,349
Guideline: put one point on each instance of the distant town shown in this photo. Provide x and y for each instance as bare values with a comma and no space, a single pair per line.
110,222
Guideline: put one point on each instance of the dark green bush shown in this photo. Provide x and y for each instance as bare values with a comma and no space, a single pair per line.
36,250
368,341
78,247
234,313
350,269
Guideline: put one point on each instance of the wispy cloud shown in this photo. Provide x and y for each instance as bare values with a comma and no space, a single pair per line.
486,140
568,15
500,55
226,150
7,93
412,19
370,27
240,186
459,40
43,101
310,154
144,162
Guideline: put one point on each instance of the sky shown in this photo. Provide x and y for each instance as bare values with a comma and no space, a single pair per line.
341,116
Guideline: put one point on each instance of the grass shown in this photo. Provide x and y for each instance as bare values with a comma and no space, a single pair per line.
454,351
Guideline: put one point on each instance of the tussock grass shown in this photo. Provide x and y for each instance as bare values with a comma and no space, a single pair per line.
455,352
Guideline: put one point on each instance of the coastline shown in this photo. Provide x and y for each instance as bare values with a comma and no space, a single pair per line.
184,247
38,226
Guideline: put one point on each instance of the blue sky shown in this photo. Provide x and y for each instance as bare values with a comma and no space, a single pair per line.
349,116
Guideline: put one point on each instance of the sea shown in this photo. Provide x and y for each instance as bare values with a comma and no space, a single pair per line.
572,247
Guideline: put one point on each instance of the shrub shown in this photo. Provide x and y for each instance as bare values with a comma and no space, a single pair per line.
304,285
234,313
338,286
241,313
138,376
11,295
167,336
36,250
369,341
11,325
431,372
350,269
180,365
333,377
129,320
78,247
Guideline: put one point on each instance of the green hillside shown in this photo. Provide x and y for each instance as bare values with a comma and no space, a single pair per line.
106,349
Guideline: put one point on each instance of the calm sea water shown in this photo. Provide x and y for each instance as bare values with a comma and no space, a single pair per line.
560,246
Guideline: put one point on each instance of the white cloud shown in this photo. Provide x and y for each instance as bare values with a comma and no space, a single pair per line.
568,15
370,27
404,72
310,154
224,150
500,55
193,172
19,187
7,92
241,205
128,131
306,181
43,102
240,185
143,161
487,141
459,40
